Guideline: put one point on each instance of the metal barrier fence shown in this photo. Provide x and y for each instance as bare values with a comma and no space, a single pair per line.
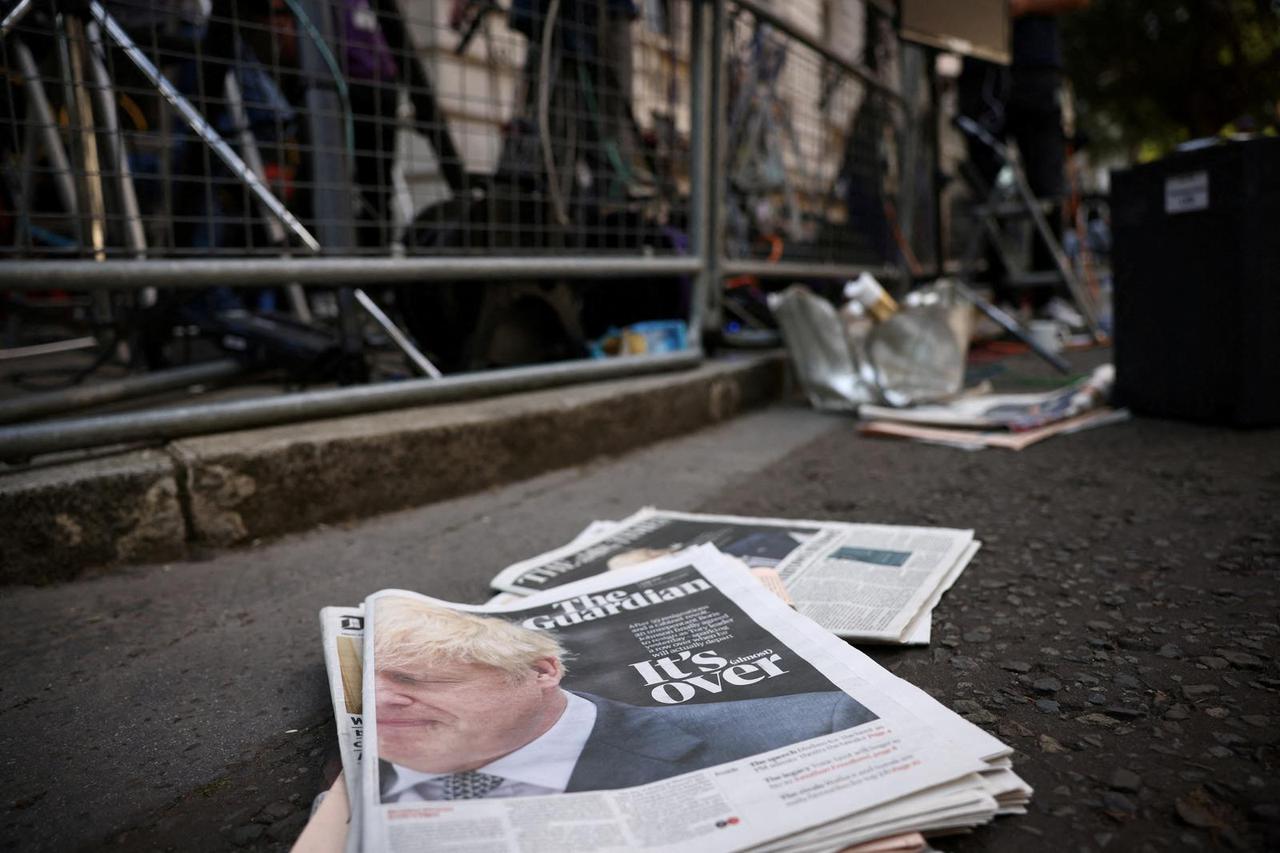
229,128
550,169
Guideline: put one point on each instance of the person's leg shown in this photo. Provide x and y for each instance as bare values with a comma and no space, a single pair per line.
1035,123
373,113
982,95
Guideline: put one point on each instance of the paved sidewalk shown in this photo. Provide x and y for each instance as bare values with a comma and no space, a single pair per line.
1119,628
168,706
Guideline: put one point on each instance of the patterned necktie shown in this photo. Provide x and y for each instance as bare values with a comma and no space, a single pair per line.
469,785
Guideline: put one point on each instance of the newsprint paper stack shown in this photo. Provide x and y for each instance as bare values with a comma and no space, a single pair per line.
871,583
672,704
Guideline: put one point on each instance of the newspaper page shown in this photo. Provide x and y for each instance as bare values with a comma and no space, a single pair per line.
979,439
342,632
920,630
870,582
343,627
676,706
593,530
652,533
1015,412
860,581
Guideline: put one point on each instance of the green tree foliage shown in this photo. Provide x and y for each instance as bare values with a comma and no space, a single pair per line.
1148,75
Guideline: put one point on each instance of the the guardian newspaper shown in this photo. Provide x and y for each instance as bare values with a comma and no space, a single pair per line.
676,705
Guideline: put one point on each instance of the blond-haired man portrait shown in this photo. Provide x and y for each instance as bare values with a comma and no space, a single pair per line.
472,706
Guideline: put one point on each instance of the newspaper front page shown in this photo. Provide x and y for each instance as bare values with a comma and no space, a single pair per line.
860,581
675,706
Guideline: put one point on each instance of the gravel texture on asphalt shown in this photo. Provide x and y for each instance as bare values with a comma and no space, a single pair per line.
1118,629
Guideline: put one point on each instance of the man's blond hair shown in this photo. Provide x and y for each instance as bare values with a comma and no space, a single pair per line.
407,631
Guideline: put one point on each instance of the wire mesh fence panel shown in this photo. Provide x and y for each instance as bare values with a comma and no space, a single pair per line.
823,165
222,128
225,128
335,191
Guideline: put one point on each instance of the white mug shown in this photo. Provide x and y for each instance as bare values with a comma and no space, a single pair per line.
1049,334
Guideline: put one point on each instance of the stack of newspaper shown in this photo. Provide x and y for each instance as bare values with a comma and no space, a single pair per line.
871,583
674,704
1010,421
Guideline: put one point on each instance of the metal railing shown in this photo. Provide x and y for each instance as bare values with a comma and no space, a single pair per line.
605,167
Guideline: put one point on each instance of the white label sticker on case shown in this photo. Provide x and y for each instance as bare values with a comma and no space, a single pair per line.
1185,193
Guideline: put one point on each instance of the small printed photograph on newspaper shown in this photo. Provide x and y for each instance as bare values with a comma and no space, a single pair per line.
649,534
658,707
866,582
342,631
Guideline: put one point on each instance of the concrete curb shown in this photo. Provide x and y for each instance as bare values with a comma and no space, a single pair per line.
119,509
224,490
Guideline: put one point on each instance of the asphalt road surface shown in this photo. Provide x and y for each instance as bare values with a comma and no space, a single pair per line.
1118,628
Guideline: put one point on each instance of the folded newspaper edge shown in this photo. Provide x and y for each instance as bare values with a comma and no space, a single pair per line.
865,582
957,775
1016,411
971,439
920,630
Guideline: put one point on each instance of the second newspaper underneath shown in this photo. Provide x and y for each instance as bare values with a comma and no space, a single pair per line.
864,582
676,705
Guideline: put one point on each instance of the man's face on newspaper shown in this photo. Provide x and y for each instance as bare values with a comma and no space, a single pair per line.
445,716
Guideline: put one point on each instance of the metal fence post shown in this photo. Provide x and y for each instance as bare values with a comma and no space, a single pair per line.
941,235
706,114
715,211
331,172
47,128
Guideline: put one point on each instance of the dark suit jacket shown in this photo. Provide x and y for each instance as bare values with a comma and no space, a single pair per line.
631,745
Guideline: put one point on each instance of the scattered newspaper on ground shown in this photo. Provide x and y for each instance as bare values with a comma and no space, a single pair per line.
979,439
1013,412
676,705
864,582
343,633
920,630
1008,421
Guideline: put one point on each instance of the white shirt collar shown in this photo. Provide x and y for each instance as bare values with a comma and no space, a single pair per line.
547,761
